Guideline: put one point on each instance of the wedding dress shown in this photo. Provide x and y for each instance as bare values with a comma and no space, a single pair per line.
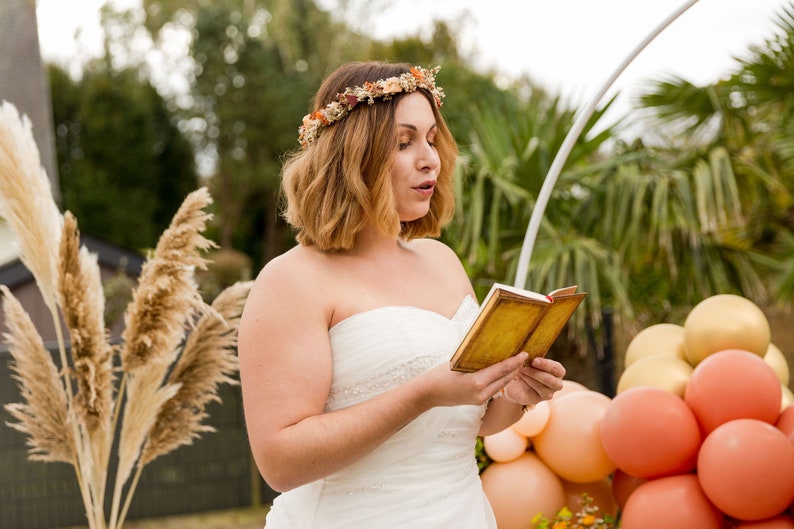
423,477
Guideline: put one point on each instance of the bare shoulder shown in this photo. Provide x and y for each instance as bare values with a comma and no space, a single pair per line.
441,257
435,249
438,252
290,284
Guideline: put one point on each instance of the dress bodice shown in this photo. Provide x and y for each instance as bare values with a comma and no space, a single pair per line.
425,476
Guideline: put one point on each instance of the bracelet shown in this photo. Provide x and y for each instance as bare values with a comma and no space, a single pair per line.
524,407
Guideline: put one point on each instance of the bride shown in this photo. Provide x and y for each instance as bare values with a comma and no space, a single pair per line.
352,411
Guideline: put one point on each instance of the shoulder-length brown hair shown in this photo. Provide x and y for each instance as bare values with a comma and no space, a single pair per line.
342,181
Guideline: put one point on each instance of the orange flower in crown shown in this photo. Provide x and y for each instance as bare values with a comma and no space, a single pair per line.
346,101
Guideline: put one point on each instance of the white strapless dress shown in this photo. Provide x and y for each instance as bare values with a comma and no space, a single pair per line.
425,476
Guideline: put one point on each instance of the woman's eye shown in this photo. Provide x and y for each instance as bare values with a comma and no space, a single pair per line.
404,145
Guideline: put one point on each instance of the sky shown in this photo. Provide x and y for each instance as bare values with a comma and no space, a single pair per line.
571,47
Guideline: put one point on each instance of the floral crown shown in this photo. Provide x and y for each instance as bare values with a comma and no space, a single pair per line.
347,100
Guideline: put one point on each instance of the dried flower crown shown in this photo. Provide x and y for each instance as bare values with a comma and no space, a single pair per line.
347,100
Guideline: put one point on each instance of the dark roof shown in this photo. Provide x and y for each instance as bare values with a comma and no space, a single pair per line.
109,255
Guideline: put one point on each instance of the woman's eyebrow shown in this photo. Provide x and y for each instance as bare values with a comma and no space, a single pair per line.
413,127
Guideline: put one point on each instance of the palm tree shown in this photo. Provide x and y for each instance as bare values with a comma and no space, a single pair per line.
746,120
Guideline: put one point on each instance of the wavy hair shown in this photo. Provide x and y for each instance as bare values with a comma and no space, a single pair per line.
341,182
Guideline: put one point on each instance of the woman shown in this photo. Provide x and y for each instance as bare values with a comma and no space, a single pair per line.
352,410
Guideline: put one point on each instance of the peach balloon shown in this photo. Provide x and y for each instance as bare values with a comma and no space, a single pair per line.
533,421
504,446
775,358
777,522
570,444
745,469
649,432
663,338
673,502
725,321
666,372
733,384
623,485
521,489
600,491
785,423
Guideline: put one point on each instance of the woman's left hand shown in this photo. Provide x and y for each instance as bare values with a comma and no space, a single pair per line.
535,382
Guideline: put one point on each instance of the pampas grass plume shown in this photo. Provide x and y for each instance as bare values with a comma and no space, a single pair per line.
207,360
25,194
44,415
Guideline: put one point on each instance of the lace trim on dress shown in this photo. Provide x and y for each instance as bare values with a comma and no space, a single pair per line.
388,379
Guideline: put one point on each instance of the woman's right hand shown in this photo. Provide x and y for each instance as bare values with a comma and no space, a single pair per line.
451,388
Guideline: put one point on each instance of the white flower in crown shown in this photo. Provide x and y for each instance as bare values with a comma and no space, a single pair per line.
417,78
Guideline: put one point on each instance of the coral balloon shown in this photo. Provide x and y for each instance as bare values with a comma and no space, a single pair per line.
775,358
666,372
671,502
663,338
778,522
570,444
623,485
745,469
504,446
533,421
733,384
725,321
521,489
600,491
649,432
785,423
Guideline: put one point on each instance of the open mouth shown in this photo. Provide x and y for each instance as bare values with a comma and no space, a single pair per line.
426,186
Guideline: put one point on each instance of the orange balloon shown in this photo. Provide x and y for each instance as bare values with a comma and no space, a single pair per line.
671,502
733,384
725,321
521,489
649,432
663,338
600,491
777,522
746,468
775,358
623,485
666,372
570,444
504,446
533,421
785,423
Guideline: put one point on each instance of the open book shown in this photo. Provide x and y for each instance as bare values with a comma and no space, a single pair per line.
512,320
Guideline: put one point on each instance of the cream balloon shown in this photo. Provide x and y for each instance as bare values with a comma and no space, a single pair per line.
787,398
533,421
662,338
660,371
505,446
775,358
725,321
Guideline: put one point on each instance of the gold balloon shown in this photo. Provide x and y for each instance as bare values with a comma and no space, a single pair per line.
725,321
775,358
661,371
662,338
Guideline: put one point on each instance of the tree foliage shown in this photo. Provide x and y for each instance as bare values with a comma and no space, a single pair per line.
124,167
